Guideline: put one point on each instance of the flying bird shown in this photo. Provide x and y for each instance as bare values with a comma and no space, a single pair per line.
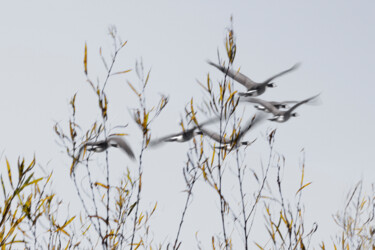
253,88
235,141
280,115
100,146
184,135
278,105
111,141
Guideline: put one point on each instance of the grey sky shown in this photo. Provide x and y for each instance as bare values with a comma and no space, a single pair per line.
41,66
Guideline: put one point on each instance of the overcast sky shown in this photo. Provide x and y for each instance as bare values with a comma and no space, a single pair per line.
41,67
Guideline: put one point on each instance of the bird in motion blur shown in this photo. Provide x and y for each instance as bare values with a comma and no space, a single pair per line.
111,141
235,140
183,136
102,145
280,115
253,88
278,105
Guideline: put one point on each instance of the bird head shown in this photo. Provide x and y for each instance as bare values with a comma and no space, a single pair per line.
271,85
283,106
295,114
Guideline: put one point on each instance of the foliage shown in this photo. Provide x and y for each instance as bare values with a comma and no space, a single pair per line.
112,215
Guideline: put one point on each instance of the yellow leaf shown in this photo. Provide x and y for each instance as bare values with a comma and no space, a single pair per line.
135,91
87,229
101,184
65,232
85,59
153,210
140,219
303,187
204,173
148,76
231,97
122,72
34,181
363,203
213,155
67,245
258,246
118,134
9,172
193,118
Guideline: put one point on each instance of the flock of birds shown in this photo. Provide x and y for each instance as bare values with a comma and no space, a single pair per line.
280,110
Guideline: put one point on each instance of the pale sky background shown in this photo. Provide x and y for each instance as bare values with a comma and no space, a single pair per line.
41,67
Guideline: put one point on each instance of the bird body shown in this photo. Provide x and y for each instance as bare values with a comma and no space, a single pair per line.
237,139
229,147
112,141
183,136
277,104
280,115
253,88
100,146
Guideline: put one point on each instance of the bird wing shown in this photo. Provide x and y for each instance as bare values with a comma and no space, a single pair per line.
237,76
283,102
163,139
302,102
294,67
209,121
265,104
123,145
252,123
214,136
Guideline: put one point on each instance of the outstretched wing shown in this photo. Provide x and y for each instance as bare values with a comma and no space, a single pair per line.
302,102
121,143
264,103
214,136
294,67
237,76
156,142
252,123
275,103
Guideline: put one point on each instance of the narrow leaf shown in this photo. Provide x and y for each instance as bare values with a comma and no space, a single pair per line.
303,187
9,172
85,59
122,72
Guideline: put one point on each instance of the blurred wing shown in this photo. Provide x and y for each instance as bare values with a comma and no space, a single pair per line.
257,119
283,102
214,136
209,121
265,104
123,145
237,76
294,67
303,102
